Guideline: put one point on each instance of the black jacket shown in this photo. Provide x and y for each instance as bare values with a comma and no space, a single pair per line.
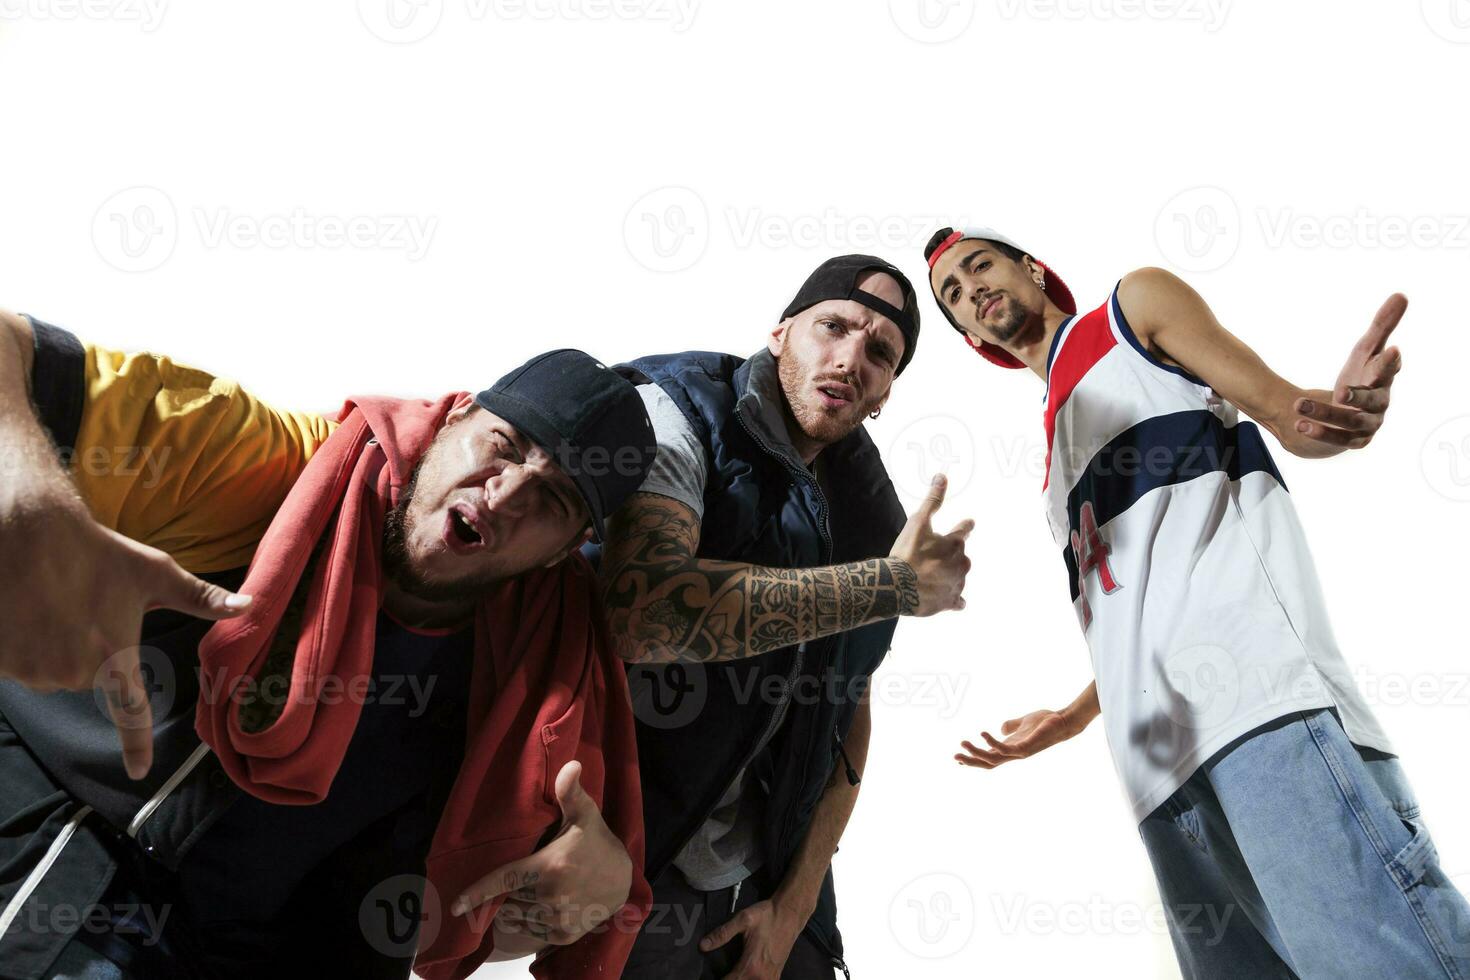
763,506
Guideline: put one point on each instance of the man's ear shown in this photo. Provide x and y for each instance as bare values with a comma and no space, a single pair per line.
575,547
776,342
461,407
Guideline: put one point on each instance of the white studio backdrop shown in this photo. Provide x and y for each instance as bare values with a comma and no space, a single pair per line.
411,196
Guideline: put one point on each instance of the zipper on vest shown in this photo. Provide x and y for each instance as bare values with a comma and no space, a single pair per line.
803,475
32,880
169,785
852,774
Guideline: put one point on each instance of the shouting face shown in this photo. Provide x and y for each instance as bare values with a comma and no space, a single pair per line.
836,361
485,503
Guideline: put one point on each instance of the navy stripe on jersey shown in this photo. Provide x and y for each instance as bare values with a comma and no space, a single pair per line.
1137,345
1159,452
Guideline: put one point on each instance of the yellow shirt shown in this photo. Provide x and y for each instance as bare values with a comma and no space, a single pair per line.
191,464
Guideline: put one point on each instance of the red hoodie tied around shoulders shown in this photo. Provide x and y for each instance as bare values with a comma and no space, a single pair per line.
545,689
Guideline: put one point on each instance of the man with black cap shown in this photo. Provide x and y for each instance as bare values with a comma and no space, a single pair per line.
754,581
399,737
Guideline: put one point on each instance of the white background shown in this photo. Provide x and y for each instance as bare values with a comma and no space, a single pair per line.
645,176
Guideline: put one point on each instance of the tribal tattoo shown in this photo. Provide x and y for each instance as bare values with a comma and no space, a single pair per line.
664,604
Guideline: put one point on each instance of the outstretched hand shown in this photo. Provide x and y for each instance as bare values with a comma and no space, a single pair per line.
72,598
1024,737
1349,415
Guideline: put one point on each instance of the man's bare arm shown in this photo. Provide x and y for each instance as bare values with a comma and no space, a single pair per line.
770,927
1032,733
664,604
1172,318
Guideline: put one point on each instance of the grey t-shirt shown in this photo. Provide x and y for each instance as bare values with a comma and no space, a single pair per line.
726,848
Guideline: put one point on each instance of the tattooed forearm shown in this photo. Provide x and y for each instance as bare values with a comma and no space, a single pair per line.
664,604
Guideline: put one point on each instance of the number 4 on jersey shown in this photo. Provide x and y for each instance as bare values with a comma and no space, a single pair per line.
1091,552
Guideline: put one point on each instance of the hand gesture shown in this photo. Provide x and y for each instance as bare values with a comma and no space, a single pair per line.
1349,415
938,560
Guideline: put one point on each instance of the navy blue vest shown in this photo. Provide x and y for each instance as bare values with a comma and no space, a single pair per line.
762,506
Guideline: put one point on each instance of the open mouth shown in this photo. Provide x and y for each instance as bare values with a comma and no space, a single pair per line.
836,395
463,531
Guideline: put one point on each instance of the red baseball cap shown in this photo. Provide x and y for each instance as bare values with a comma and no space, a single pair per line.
1056,290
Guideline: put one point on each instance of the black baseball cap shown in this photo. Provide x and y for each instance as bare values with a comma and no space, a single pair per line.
837,279
588,417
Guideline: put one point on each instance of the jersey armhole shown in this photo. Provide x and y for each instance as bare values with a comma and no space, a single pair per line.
1125,331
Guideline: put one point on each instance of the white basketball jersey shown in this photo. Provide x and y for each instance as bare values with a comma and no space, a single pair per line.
1188,569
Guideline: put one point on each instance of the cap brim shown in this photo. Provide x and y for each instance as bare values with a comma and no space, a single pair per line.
525,417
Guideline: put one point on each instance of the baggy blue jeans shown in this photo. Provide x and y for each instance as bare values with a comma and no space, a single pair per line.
1294,853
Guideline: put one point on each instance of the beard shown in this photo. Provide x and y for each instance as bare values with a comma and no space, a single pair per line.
398,527
819,426
1013,319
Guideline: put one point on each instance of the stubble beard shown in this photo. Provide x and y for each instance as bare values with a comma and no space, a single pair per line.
820,427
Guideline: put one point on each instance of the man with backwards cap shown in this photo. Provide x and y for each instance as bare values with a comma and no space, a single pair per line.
405,741
1283,834
755,579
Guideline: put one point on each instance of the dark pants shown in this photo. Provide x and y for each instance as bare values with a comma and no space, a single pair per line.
668,946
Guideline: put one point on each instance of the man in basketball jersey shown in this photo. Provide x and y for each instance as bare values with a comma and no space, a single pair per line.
1282,832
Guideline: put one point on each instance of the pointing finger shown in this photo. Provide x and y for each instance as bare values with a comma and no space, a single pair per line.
1384,322
931,502
132,714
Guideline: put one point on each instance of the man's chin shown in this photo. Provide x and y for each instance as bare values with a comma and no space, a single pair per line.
830,427
421,584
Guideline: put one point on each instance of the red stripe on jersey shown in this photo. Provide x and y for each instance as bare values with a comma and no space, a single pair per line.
1090,339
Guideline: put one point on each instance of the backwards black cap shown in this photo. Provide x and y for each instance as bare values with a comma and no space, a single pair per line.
589,418
837,279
